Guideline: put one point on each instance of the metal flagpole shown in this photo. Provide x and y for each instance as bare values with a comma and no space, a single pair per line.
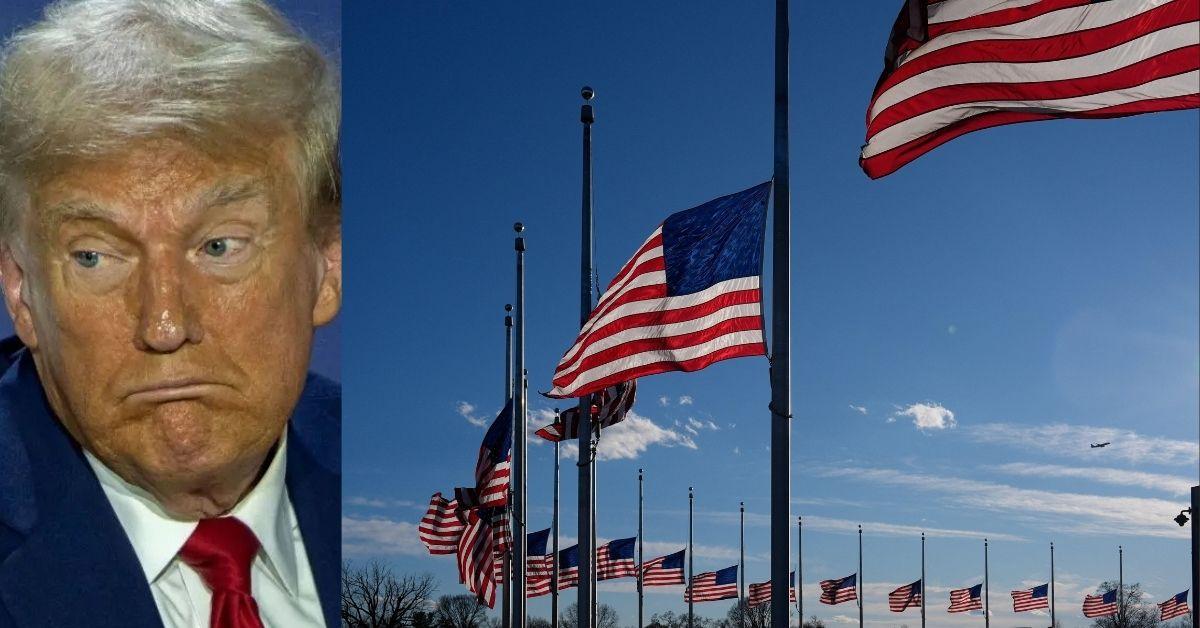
800,568
923,589
554,571
1121,583
587,522
742,563
691,603
1195,556
519,411
781,334
987,602
506,612
641,556
860,578
1052,621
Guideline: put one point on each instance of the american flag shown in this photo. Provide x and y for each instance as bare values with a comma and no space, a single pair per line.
537,563
568,575
905,597
664,570
491,471
838,591
1031,599
963,600
956,67
476,558
615,402
689,297
760,592
1100,605
1174,607
440,528
614,559
713,585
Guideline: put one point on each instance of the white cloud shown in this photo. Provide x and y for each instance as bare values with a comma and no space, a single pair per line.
827,524
467,411
929,416
859,409
737,451
631,437
844,619
685,400
664,401
701,425
1171,484
891,419
1063,439
369,502
1058,511
378,536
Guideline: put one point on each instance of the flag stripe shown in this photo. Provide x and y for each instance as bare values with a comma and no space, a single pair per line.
440,528
963,600
1015,62
739,347
905,597
1174,607
1025,600
1096,606
839,591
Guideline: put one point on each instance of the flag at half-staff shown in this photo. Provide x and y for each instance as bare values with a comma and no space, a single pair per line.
492,469
840,590
538,563
689,297
905,597
615,403
1031,599
664,570
568,574
969,599
476,557
441,527
955,67
1101,605
760,592
713,585
615,559
1175,606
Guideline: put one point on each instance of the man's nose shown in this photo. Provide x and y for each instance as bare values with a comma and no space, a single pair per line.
167,317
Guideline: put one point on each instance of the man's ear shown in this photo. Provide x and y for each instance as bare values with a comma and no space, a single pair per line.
329,291
16,295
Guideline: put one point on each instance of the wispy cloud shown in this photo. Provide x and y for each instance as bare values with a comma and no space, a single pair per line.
378,536
859,409
828,524
1171,484
1059,511
929,416
664,401
631,437
370,502
685,400
1062,439
467,411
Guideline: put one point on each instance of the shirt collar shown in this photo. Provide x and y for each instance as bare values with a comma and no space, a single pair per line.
157,537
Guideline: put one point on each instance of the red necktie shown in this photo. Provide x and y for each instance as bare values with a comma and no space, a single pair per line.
221,551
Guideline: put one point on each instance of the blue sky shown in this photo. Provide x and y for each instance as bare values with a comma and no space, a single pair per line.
1038,283
321,20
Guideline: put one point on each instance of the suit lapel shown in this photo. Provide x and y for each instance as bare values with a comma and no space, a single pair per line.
75,532
315,486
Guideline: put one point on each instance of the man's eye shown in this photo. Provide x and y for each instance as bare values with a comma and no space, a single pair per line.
220,247
87,259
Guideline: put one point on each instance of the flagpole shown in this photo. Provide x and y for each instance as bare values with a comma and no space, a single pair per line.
1121,583
987,602
519,412
860,578
506,612
742,562
641,556
587,549
1195,556
923,587
800,568
554,569
781,334
1052,622
691,603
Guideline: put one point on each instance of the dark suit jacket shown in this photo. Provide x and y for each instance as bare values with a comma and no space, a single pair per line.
66,562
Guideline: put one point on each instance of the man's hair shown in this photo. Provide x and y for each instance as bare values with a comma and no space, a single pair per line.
223,75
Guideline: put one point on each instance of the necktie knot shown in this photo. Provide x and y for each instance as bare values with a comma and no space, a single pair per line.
221,551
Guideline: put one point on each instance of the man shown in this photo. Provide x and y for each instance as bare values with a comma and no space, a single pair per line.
169,240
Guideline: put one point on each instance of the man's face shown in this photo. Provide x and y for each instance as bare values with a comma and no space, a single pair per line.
169,299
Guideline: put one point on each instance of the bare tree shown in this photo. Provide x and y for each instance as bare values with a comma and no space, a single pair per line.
538,622
460,611
758,616
813,622
373,597
1134,613
606,616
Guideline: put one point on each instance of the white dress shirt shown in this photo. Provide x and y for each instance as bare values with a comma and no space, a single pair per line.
281,579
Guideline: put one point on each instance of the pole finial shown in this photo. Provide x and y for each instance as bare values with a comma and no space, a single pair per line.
508,307
518,227
587,92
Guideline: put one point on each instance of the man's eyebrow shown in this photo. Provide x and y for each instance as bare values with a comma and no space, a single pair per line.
229,192
77,210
